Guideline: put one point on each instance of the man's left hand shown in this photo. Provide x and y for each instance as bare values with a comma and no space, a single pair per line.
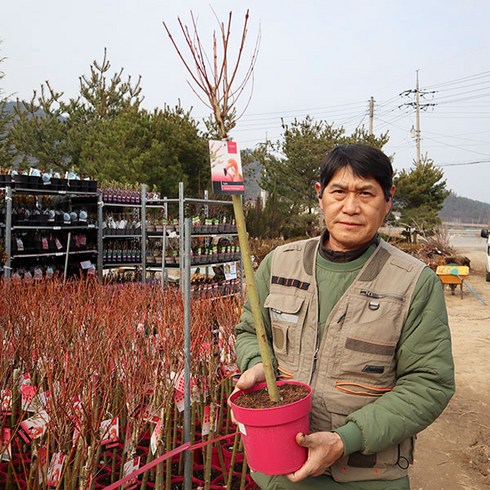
324,448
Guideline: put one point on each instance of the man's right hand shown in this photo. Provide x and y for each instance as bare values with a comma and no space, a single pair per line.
249,379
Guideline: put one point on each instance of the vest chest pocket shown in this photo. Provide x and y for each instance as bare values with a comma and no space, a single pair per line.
370,333
287,314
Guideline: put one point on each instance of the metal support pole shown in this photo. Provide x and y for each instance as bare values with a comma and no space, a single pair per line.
8,232
100,234
143,233
164,253
181,232
206,215
186,280
206,207
164,244
67,256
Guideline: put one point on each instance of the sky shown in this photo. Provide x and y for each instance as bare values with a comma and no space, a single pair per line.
321,58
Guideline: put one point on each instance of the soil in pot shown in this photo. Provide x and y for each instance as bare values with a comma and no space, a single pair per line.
260,398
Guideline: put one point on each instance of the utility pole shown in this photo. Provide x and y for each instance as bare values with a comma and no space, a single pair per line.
417,117
371,115
416,133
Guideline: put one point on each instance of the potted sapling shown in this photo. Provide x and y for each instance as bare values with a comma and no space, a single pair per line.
219,86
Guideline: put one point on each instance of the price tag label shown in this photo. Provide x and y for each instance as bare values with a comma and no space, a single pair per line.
230,271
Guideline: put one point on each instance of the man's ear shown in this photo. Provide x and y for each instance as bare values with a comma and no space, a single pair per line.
318,189
390,200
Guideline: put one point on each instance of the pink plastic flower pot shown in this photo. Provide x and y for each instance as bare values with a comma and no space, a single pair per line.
269,434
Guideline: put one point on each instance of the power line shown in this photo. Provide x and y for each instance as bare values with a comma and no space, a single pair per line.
462,164
463,79
461,93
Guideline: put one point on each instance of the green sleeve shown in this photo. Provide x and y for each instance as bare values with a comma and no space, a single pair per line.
425,375
247,349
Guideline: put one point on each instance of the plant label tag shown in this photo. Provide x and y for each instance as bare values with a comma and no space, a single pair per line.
5,446
154,437
6,402
55,469
42,461
24,379
242,428
131,467
226,167
76,436
150,415
43,398
179,400
58,244
179,382
34,427
206,420
86,264
109,432
28,393
230,271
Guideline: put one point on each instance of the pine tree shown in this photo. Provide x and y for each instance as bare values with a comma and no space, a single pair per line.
6,114
420,194
106,134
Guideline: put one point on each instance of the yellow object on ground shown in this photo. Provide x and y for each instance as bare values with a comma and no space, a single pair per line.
453,275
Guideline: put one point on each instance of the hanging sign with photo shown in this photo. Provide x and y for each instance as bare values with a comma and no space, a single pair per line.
226,167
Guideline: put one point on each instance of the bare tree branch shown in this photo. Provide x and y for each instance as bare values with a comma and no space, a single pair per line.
213,80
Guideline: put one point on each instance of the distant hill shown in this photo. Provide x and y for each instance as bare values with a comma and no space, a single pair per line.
464,210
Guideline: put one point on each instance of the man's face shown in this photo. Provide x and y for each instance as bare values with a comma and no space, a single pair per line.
353,207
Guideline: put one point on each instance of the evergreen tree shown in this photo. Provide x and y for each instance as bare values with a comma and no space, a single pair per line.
6,151
104,133
38,131
420,194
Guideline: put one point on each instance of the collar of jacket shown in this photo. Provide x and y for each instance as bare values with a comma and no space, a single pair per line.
341,257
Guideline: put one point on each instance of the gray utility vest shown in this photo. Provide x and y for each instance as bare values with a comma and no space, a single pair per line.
355,362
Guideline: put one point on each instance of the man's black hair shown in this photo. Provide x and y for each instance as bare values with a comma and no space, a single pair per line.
365,162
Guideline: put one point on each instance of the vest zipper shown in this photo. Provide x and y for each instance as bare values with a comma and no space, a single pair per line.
315,355
371,294
317,347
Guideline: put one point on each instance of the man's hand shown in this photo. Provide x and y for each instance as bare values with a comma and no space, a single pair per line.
324,449
251,377
248,379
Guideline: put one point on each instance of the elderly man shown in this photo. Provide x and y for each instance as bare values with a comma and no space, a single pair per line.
360,321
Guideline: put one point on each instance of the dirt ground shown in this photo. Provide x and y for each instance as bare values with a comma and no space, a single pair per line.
454,452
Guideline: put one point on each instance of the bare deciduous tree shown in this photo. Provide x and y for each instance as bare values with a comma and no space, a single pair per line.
217,83
217,80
